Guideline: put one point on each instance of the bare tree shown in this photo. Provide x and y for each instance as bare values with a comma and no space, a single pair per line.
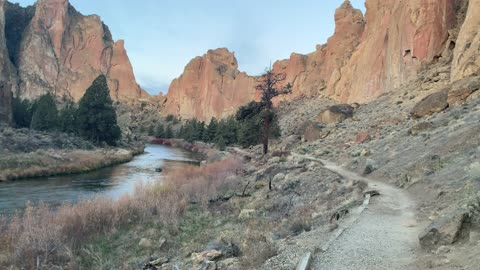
269,86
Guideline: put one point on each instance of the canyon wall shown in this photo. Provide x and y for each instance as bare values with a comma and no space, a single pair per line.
466,61
56,49
7,75
210,86
365,57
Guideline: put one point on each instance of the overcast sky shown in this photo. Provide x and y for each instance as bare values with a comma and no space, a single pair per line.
162,36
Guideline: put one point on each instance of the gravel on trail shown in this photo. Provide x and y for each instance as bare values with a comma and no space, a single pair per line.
385,235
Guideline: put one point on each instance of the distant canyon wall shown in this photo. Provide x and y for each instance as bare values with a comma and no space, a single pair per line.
210,86
51,47
366,57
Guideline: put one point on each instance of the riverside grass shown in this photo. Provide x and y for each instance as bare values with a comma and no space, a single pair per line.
56,236
44,163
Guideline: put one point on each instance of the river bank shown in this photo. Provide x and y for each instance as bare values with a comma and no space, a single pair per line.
45,163
30,154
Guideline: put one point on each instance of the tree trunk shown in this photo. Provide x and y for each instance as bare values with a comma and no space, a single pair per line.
266,134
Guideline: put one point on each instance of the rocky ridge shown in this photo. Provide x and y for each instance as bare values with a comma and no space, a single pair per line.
210,86
51,47
397,40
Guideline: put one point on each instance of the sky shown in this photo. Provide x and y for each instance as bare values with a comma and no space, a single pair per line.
162,36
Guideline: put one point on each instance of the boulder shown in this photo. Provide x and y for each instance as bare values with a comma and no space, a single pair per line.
153,264
274,160
420,127
431,104
246,213
208,265
444,231
461,90
279,177
362,137
474,237
313,132
208,255
335,114
228,264
370,167
145,243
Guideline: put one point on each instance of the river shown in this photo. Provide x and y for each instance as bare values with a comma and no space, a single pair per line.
112,182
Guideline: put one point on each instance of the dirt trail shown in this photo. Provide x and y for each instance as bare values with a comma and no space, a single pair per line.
383,237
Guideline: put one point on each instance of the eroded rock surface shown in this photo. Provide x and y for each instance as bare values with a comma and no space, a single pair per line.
210,86
54,48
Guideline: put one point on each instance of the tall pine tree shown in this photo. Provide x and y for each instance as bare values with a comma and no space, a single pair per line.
45,116
96,118
66,118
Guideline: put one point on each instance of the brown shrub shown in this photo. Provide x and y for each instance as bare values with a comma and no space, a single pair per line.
49,235
256,248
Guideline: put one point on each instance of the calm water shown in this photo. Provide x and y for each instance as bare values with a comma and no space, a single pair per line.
112,182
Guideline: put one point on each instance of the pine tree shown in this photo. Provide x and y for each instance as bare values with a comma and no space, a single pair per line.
159,131
211,131
169,132
66,118
45,116
22,112
96,117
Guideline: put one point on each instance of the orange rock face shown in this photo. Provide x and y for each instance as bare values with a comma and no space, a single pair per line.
210,86
399,37
310,74
63,51
366,57
122,82
466,60
369,56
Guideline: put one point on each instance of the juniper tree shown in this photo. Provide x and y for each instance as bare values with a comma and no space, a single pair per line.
66,117
96,117
45,116
269,85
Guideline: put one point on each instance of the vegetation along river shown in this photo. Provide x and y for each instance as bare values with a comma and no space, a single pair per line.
112,182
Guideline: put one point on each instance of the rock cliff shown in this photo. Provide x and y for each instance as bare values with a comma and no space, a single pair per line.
210,86
8,80
466,60
366,57
55,48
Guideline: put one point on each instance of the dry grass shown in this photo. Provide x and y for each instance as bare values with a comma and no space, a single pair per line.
257,249
43,163
43,235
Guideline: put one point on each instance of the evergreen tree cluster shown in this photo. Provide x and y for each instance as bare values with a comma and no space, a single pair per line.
244,129
93,119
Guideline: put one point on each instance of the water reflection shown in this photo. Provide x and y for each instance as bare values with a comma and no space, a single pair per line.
112,182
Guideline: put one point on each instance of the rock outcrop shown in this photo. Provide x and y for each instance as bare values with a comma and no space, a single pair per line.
320,70
368,56
210,86
335,114
466,60
8,80
55,48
